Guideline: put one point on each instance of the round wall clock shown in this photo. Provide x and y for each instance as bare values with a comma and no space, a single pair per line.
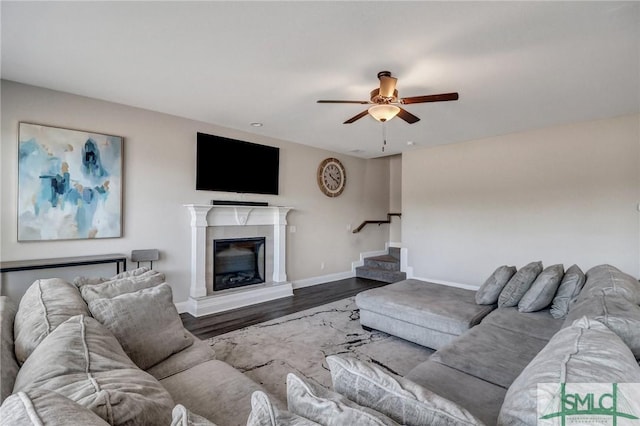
331,177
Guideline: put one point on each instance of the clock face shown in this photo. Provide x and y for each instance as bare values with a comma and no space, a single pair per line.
331,177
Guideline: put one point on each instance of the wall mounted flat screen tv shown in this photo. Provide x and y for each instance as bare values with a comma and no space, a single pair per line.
230,165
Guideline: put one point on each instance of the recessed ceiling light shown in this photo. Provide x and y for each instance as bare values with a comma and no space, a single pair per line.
256,124
411,143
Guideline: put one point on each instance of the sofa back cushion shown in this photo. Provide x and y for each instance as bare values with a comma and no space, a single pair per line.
8,362
570,286
585,352
611,280
84,362
519,284
145,322
46,304
489,292
543,289
616,312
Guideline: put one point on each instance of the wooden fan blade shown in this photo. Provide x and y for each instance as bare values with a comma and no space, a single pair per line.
356,117
430,98
387,85
341,102
407,116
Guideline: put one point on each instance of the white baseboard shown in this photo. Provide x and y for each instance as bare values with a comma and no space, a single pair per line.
449,283
238,298
322,279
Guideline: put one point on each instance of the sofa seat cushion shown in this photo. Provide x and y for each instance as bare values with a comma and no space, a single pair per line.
587,352
491,353
145,322
616,312
8,362
46,304
216,391
611,280
481,398
539,324
197,353
83,361
43,408
443,308
402,400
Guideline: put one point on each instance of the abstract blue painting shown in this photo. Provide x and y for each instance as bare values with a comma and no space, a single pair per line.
69,184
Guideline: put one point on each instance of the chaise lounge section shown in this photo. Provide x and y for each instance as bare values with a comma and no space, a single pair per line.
428,314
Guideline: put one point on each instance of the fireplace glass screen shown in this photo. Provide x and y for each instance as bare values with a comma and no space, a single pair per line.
238,262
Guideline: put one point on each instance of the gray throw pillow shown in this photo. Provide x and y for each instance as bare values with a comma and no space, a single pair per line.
402,400
84,362
313,402
489,292
116,287
183,417
145,322
80,281
45,305
43,407
541,293
616,312
263,413
585,352
570,287
519,284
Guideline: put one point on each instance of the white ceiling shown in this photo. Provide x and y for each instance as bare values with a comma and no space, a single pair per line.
516,65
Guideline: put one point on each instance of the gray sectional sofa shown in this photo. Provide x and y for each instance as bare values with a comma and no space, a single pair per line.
115,352
490,359
111,351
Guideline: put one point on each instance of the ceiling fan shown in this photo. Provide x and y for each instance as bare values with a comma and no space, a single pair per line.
385,101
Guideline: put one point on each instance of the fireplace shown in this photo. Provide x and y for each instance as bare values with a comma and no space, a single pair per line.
238,262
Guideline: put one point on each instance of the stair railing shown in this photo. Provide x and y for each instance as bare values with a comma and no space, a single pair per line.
378,222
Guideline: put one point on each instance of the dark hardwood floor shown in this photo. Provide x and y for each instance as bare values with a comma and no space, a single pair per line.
303,298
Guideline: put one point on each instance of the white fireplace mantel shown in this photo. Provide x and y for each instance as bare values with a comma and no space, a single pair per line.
206,215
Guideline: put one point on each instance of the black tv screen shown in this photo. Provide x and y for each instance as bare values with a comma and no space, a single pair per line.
231,165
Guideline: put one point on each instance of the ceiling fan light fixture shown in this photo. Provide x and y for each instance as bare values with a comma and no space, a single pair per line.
384,112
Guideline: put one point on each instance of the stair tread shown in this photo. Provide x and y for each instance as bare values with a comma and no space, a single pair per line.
384,258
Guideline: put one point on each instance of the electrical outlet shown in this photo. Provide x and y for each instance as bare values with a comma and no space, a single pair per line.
349,227
321,265
292,229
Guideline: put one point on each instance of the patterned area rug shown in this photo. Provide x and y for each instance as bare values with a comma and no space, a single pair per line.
300,342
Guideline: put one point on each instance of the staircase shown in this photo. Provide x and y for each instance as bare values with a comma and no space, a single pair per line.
385,268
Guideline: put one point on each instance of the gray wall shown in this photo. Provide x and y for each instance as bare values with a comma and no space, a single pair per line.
566,194
159,178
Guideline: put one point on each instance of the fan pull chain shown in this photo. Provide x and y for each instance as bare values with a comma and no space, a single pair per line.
384,135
